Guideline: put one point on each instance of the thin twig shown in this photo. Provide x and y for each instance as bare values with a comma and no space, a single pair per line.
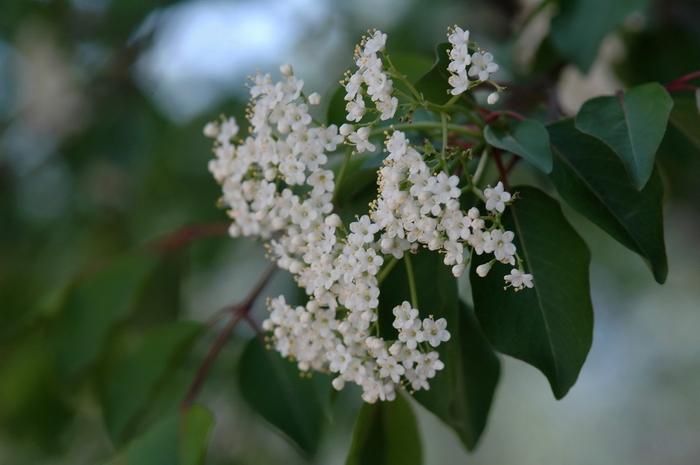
494,115
187,234
502,172
237,313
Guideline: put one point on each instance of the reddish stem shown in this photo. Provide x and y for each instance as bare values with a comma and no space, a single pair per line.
681,83
237,313
502,172
490,117
183,236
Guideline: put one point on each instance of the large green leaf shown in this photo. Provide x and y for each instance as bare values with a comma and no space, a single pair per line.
460,394
551,325
434,84
580,26
178,439
528,139
133,381
386,433
592,180
274,388
632,124
93,306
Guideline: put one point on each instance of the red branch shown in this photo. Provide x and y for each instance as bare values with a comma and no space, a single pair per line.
237,313
502,171
681,84
494,115
183,236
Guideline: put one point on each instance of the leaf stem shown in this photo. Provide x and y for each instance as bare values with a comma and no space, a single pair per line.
443,160
411,280
422,125
237,313
341,174
384,272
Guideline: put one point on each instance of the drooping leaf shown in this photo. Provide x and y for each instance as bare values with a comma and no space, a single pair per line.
177,439
580,26
551,325
685,117
93,306
460,394
386,433
528,139
274,388
434,84
592,180
632,124
132,383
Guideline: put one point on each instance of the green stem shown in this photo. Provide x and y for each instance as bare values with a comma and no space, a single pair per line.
443,160
341,174
411,280
480,168
384,272
422,125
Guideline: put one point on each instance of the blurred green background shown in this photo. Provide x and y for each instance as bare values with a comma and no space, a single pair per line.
102,103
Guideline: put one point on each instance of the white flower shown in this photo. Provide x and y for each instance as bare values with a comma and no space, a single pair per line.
501,244
519,280
459,83
482,66
360,139
404,316
375,43
412,335
496,198
355,109
457,36
434,331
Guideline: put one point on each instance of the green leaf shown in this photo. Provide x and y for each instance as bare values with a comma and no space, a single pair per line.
176,439
551,325
460,394
580,26
412,65
386,433
133,382
335,113
528,139
434,84
93,307
274,388
592,180
632,124
685,117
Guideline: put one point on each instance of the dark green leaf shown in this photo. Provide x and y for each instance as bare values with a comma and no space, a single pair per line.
132,383
632,124
550,326
274,388
580,26
685,117
175,440
592,180
386,433
93,306
527,138
434,85
412,65
460,394
335,113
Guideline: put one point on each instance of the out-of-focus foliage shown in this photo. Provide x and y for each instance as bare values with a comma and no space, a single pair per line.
103,323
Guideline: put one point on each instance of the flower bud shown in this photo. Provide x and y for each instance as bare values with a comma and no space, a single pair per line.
483,270
492,98
333,221
314,99
286,70
211,129
345,129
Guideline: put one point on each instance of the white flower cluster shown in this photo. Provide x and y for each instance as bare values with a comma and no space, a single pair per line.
275,187
416,206
463,66
370,78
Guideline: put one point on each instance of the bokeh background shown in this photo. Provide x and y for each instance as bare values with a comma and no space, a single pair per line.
102,103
